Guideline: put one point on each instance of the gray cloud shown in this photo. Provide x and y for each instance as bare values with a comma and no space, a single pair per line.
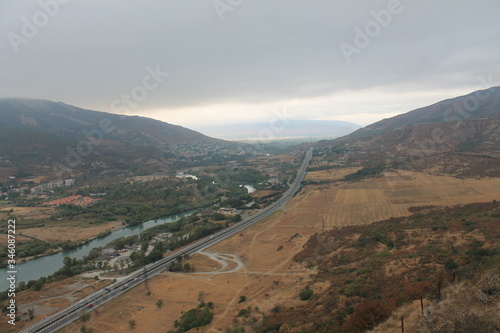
263,51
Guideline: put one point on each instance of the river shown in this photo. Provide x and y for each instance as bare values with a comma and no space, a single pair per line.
47,265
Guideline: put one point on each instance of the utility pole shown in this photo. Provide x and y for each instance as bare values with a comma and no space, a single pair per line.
422,305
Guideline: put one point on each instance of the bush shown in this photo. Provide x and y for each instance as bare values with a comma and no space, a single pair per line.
306,294
198,317
85,317
244,313
367,315
238,329
450,265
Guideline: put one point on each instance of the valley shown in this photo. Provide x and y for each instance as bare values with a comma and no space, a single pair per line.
233,166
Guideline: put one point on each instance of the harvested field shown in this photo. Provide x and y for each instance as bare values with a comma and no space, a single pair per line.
58,234
392,194
29,213
332,174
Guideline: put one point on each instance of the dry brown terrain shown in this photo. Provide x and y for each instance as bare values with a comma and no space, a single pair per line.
332,174
4,239
267,276
28,213
63,233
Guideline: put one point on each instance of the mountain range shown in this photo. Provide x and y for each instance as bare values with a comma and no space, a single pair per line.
72,123
43,137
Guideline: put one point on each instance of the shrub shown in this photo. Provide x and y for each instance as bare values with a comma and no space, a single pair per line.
367,315
306,294
244,312
85,317
450,265
198,317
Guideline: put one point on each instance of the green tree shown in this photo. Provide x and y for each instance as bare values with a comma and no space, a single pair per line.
67,261
306,294
132,324
159,304
450,265
85,317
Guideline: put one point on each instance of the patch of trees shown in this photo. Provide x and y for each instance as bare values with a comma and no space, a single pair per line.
235,218
198,317
237,201
122,242
28,249
364,173
178,266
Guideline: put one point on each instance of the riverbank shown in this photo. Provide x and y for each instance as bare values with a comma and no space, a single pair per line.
47,265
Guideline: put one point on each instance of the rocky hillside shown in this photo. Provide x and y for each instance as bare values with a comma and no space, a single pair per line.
479,105
459,136
373,270
463,136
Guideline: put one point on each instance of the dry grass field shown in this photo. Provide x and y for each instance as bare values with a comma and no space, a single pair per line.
332,174
392,194
58,231
27,213
64,233
259,262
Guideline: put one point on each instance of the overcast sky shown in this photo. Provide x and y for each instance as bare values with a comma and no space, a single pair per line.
203,61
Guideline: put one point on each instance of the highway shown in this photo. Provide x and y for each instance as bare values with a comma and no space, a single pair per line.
70,314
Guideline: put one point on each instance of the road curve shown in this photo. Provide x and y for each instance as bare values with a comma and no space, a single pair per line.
70,314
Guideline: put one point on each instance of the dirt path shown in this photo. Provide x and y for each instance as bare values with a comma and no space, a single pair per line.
224,260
